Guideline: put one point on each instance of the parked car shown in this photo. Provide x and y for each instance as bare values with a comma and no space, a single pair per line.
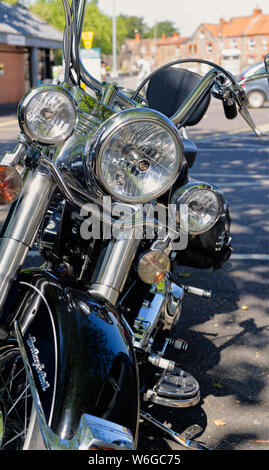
258,90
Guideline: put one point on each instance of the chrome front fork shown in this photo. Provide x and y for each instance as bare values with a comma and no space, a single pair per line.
21,229
111,274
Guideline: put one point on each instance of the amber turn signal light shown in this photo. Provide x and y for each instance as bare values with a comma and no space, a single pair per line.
10,184
153,267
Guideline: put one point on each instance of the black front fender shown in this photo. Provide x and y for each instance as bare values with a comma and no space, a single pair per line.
80,354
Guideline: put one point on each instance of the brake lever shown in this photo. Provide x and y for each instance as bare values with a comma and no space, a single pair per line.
242,102
232,98
266,65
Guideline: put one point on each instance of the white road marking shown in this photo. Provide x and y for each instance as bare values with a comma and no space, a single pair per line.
250,256
9,123
226,175
233,149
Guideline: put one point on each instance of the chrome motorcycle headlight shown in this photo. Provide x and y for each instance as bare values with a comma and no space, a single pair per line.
204,206
137,155
48,114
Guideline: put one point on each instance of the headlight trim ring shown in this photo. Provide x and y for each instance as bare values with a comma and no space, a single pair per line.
24,107
114,126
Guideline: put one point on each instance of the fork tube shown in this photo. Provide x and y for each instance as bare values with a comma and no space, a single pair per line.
21,230
112,270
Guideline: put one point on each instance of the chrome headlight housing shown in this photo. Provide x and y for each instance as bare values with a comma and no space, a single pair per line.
47,114
137,155
204,206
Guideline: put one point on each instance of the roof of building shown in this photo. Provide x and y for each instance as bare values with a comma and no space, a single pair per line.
163,41
256,24
176,39
19,26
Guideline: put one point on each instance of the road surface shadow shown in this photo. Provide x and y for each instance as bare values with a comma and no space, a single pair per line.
216,357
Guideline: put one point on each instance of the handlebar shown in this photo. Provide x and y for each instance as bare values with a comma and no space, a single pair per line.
225,85
257,76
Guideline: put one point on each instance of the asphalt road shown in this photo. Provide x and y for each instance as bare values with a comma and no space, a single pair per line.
229,334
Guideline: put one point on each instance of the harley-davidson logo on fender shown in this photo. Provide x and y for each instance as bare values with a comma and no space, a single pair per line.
37,364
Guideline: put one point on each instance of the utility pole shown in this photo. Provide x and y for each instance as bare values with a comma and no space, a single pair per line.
114,41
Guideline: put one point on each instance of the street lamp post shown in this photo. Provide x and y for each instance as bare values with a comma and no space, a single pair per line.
114,41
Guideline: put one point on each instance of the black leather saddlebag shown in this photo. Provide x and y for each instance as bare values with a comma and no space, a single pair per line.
210,249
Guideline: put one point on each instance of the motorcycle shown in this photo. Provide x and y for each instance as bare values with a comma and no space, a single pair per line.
89,171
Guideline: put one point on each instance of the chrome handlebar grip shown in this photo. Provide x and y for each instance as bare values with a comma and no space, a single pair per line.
253,78
187,108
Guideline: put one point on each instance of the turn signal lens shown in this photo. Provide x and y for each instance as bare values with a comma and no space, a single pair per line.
10,184
153,267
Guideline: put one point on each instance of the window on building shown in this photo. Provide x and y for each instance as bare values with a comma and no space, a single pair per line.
265,44
209,47
192,48
251,60
251,44
201,34
233,43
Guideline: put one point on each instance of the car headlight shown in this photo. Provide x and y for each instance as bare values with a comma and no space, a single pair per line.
47,114
137,155
204,206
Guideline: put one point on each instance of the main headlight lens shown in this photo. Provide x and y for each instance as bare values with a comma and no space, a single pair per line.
48,114
138,155
204,205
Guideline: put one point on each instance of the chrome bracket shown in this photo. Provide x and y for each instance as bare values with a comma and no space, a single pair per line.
184,439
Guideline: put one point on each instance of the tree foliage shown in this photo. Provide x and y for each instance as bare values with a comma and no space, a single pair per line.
101,25
15,2
133,25
163,27
52,11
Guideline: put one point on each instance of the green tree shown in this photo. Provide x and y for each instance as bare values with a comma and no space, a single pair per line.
52,11
134,24
163,27
101,25
15,2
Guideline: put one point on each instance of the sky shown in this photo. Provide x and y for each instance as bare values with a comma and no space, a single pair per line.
185,14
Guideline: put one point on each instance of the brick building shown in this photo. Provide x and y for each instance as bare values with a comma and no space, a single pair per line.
135,48
158,51
235,44
171,48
